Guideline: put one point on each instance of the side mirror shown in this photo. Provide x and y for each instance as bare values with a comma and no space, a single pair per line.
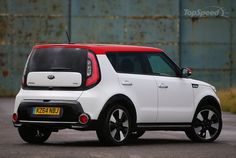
186,72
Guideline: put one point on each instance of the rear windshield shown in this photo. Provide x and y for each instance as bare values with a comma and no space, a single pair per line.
57,59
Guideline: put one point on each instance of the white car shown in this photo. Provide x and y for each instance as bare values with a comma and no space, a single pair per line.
120,91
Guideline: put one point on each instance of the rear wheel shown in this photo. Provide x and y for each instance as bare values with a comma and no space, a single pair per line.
34,135
116,126
206,125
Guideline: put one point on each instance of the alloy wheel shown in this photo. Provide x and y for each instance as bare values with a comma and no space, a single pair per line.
119,125
206,124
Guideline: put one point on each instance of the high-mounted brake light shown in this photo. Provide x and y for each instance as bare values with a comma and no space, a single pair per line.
93,74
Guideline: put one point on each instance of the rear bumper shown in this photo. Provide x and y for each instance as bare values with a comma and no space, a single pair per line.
68,118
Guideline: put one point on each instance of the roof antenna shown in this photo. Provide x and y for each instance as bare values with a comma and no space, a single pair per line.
68,37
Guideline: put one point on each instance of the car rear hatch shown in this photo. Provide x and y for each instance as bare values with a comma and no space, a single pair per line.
54,78
55,69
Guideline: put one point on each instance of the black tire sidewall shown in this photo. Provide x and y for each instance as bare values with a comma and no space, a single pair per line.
104,132
192,133
27,134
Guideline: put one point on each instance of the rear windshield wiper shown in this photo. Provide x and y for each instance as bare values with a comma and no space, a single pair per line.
60,68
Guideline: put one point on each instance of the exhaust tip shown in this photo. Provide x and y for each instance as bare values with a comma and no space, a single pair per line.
83,119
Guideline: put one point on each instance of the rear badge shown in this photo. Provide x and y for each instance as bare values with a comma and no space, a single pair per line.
51,77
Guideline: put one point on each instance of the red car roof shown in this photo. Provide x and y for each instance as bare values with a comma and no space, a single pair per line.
103,48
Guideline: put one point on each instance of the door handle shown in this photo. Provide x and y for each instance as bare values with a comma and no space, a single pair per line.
126,83
162,85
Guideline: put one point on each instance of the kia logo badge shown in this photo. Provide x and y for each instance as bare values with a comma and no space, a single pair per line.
51,77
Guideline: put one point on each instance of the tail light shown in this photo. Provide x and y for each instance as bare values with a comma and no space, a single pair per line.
93,75
23,81
14,117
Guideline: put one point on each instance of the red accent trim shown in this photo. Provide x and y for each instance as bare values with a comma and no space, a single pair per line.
103,48
95,71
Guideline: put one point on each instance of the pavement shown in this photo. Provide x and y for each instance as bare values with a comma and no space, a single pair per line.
71,143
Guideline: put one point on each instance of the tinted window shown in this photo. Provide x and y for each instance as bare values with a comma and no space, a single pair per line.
161,65
57,59
127,62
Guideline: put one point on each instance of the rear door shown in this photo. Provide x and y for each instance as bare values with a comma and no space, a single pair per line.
175,94
136,84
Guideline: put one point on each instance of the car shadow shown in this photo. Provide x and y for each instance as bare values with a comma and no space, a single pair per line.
139,142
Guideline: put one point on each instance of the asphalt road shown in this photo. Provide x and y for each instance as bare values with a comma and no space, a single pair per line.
71,143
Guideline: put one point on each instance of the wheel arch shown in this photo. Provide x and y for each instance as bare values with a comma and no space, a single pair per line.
120,98
209,100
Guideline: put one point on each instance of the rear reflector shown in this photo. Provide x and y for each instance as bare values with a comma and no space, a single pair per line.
83,119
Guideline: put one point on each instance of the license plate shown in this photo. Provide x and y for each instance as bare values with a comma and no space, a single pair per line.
46,111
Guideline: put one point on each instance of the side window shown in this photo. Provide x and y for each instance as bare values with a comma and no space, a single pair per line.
160,65
127,62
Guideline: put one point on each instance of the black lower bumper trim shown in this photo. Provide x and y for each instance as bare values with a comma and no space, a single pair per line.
70,110
164,126
91,125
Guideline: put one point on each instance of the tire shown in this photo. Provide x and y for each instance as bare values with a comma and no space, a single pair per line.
115,127
206,125
34,135
137,134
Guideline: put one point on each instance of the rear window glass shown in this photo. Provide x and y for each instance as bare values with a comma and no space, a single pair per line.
57,59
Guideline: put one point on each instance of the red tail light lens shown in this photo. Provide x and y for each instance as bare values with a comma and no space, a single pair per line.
14,117
93,75
23,81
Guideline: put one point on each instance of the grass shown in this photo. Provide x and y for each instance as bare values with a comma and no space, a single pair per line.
228,99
